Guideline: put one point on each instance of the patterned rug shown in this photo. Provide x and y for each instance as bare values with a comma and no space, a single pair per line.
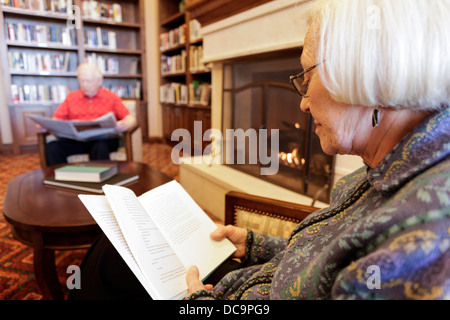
17,280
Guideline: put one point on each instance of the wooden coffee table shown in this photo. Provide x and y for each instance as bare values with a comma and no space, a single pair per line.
50,218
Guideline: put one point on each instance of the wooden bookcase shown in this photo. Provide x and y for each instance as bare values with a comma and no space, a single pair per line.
44,46
181,69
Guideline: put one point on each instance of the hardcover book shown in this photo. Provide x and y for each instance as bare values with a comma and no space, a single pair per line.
119,179
86,172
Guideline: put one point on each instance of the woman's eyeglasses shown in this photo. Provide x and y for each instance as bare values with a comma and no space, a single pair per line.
299,83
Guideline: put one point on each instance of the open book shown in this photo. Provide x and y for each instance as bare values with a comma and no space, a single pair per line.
79,130
159,235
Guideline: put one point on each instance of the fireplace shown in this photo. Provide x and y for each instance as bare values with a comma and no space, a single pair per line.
257,95
262,35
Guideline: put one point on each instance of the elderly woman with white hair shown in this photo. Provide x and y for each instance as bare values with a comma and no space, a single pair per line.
380,89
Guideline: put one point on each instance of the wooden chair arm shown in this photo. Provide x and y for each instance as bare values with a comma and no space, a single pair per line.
42,141
127,138
262,205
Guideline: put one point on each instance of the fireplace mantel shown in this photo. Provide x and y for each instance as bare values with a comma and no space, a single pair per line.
271,27
209,11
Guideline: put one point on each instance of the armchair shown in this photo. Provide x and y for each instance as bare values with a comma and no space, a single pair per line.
264,215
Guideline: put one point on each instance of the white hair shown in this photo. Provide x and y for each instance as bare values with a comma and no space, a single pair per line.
392,53
93,69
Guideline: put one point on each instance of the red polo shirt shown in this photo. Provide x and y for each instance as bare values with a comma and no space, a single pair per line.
77,106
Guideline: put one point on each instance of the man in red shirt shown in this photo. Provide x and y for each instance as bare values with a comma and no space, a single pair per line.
87,103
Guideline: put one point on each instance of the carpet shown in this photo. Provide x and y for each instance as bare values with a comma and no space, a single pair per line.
17,280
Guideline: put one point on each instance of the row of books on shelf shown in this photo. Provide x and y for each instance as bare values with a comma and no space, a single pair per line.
177,36
39,93
62,6
200,93
173,38
99,38
57,93
40,33
173,64
107,65
38,62
196,63
174,93
130,90
101,11
194,30
196,93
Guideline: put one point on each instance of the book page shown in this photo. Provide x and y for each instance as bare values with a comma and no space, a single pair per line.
186,227
158,262
102,213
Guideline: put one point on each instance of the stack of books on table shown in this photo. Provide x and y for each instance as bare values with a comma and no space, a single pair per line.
89,177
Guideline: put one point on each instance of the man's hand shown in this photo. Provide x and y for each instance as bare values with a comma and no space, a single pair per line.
126,123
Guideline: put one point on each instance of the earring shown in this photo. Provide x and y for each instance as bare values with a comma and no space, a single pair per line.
375,117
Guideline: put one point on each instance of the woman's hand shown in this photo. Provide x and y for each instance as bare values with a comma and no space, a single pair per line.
193,281
238,236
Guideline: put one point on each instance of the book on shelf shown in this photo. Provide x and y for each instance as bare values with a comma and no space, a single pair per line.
79,130
159,235
196,63
99,38
86,172
119,179
194,30
42,5
40,34
127,90
173,64
199,93
107,65
97,10
133,66
38,62
174,93
38,93
173,38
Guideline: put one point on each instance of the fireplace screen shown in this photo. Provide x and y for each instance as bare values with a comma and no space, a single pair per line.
258,95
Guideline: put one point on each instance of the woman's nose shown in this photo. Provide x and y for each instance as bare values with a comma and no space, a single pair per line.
304,105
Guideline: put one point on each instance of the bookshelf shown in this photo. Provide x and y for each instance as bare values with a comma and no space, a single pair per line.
185,84
45,42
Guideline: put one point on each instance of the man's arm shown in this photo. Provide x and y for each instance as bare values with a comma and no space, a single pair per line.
126,123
